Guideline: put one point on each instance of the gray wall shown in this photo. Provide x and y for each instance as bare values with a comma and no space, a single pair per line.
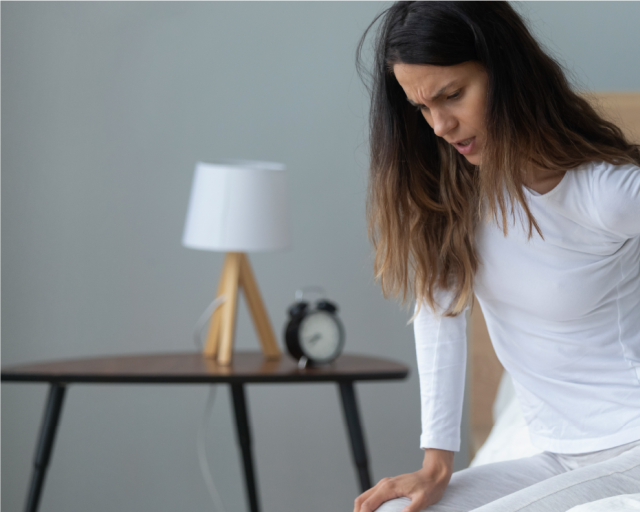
105,109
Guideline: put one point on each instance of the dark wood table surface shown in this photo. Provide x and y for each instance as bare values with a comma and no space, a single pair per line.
194,368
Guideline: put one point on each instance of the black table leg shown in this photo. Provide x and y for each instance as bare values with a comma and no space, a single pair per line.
359,450
45,444
244,439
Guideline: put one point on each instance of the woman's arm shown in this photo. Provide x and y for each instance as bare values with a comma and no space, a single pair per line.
441,352
424,487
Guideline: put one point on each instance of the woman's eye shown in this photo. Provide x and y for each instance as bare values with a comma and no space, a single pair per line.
454,95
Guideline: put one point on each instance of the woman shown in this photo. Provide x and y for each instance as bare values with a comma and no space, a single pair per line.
489,176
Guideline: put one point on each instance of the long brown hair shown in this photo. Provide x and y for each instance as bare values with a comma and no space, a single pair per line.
424,198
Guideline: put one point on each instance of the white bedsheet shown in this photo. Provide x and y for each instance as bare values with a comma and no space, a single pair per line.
622,503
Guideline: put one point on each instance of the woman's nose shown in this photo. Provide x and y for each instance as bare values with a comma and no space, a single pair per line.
442,123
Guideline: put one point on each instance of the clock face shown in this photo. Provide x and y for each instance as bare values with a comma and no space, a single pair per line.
320,336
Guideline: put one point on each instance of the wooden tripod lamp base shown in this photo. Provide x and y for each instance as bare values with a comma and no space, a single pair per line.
236,273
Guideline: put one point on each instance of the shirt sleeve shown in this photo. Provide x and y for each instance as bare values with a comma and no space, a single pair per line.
441,349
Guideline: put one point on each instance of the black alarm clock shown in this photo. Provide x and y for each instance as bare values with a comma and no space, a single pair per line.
314,334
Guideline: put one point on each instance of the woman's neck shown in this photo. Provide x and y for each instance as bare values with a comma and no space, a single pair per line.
543,181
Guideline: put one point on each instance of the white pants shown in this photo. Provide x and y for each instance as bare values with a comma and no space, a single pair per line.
548,482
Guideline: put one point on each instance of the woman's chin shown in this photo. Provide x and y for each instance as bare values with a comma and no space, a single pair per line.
473,159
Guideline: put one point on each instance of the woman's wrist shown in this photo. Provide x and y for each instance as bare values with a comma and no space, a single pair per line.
437,464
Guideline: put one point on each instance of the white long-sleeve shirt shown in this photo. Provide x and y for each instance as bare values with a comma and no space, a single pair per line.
563,314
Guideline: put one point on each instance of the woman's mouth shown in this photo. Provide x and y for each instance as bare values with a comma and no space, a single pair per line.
465,146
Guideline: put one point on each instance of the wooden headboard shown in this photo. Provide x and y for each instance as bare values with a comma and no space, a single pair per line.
623,108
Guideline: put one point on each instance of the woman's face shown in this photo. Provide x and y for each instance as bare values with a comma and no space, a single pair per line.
452,99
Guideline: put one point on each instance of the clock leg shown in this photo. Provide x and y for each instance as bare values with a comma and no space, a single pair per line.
45,444
244,439
352,418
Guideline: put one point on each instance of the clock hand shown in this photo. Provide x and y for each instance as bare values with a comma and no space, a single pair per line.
315,338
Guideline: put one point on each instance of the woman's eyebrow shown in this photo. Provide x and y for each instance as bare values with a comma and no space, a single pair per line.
437,95
414,104
442,90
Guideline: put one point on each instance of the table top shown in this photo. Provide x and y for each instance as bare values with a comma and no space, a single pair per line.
193,367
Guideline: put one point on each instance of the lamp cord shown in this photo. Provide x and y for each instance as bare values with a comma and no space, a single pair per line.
205,467
204,318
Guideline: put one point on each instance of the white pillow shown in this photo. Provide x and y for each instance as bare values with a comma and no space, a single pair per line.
509,437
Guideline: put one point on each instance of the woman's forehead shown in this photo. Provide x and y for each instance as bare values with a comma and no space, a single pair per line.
431,81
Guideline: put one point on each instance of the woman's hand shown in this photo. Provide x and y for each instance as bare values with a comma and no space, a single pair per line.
424,487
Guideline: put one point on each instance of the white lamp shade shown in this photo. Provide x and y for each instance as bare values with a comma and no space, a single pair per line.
238,207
